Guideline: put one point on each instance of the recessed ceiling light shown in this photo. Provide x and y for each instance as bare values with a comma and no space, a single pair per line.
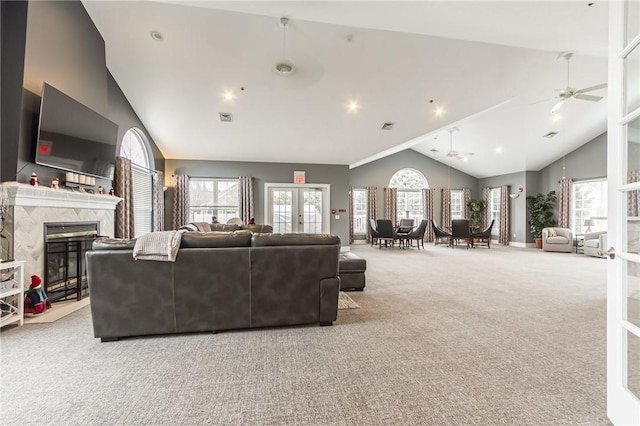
228,95
556,118
157,35
465,159
438,111
499,149
353,106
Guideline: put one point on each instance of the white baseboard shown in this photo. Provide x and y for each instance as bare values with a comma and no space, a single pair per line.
522,245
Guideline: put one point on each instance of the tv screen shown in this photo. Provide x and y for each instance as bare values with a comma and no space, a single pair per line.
73,137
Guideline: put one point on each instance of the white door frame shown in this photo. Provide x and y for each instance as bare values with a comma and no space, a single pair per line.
326,200
623,407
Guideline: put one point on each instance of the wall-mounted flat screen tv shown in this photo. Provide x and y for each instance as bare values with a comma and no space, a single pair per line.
73,137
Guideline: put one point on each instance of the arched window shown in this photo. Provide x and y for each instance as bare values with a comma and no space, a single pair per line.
410,184
134,148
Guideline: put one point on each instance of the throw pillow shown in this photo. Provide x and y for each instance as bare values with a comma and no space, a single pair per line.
552,233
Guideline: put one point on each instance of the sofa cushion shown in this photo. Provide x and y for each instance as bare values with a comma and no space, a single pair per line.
552,233
223,227
557,240
264,240
106,243
592,243
215,239
351,262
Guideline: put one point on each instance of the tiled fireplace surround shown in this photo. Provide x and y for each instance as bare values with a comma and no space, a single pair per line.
28,208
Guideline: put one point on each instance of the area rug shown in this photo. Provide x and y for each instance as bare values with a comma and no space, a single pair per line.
346,302
58,310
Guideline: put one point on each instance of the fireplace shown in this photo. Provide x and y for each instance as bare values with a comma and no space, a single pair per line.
65,244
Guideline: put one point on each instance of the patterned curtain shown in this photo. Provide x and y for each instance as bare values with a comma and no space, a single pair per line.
503,236
633,197
123,188
564,203
351,215
390,204
446,208
158,201
466,197
486,219
427,207
372,199
181,202
245,192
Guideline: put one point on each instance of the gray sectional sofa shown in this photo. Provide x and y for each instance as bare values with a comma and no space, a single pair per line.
219,281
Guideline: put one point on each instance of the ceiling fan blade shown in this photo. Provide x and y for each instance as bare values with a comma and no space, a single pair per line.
557,106
592,88
588,98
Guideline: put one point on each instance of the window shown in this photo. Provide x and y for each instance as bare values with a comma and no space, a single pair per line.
134,148
589,201
359,211
494,209
409,203
457,212
213,197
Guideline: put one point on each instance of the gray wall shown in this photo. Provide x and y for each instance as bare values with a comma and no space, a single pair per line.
378,173
13,25
517,213
335,175
64,49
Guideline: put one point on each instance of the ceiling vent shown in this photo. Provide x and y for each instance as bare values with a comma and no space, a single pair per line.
550,135
226,116
387,126
434,150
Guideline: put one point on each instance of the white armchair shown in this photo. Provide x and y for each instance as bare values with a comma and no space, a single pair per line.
595,242
557,239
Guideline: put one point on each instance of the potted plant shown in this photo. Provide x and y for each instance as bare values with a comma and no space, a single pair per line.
476,209
541,214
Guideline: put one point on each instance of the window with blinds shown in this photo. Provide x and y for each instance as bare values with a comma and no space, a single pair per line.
142,201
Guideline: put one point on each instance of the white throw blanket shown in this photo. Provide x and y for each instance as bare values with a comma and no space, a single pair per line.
162,246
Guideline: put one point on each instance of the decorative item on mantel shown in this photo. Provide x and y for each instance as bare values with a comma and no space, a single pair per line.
34,179
111,191
55,183
100,190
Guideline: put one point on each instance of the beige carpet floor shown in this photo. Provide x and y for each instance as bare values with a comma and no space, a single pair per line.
500,336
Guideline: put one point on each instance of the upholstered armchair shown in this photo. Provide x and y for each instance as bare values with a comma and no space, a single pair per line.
557,239
595,242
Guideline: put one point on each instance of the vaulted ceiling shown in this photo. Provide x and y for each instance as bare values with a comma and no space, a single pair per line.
491,68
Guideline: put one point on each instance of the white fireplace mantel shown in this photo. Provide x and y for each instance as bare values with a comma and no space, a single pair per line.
21,194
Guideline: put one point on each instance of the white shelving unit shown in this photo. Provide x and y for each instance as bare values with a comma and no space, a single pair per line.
12,311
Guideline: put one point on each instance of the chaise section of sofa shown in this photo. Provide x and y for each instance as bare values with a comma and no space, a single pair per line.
219,281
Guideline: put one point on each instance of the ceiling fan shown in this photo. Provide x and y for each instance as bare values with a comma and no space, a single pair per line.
570,92
453,153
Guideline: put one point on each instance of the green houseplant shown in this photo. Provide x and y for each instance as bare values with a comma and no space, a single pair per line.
476,209
541,214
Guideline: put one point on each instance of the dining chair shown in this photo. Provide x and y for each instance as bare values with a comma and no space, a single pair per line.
373,230
418,234
386,233
483,237
440,235
460,232
404,229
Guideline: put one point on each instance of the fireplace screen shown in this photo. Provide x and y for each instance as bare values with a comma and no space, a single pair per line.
65,246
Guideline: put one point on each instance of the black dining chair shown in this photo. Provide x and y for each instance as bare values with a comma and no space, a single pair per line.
460,232
386,233
440,235
373,230
405,228
483,237
418,234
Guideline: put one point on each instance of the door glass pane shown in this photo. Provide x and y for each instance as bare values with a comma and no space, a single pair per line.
633,363
633,293
282,204
633,20
312,211
632,81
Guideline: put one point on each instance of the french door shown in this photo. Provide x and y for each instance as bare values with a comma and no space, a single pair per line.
623,269
297,207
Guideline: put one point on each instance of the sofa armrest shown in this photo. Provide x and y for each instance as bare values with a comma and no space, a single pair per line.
329,289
